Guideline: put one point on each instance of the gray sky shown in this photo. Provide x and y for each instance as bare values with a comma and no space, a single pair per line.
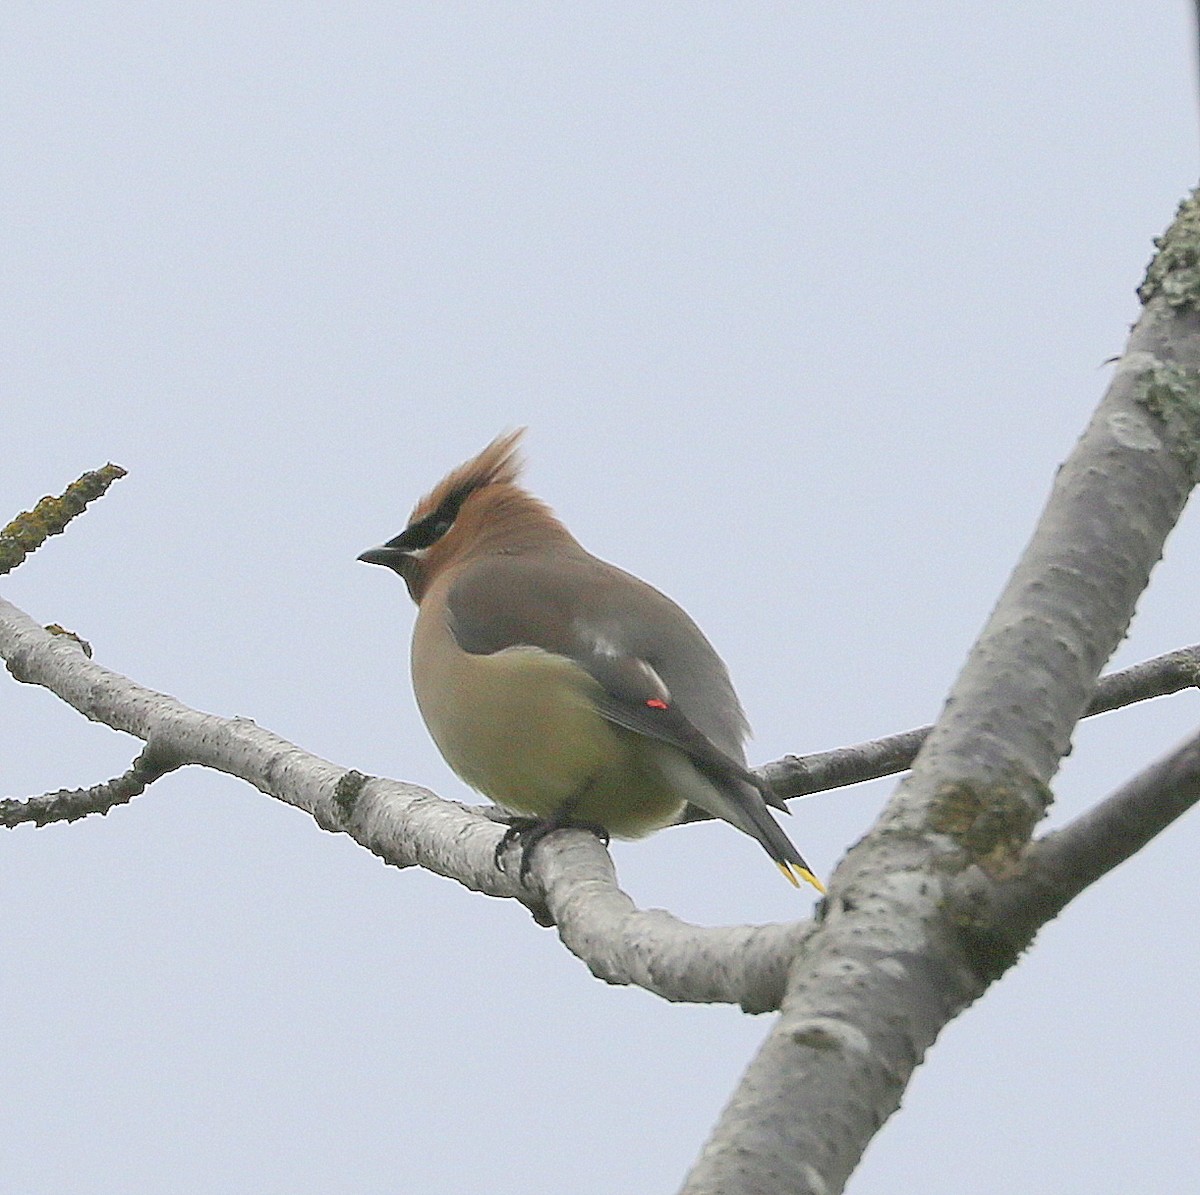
803,304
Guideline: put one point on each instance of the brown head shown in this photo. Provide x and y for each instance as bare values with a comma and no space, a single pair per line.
476,508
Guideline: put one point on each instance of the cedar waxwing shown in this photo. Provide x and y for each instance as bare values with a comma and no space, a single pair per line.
566,690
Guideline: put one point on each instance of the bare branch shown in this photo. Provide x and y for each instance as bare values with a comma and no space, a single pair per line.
29,530
572,879
890,965
803,775
620,943
1159,677
893,958
1058,867
650,948
70,804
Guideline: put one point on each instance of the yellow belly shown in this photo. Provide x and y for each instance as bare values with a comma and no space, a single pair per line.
520,727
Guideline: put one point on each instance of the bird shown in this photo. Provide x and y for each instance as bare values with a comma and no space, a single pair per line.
564,689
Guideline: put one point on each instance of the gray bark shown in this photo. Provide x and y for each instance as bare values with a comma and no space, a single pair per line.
898,956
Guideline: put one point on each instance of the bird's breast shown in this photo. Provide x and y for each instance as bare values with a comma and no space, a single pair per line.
520,725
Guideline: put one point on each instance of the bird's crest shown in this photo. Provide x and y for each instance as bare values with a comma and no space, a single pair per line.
500,463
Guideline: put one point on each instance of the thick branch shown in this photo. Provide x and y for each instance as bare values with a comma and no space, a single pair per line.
573,882
890,965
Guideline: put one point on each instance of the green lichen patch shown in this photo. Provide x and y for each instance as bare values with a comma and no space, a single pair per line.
992,824
30,529
55,629
1172,393
816,1037
347,792
1174,273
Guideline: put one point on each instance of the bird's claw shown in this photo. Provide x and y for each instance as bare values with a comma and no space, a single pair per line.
529,832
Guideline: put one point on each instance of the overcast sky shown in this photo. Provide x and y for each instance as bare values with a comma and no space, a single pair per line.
803,304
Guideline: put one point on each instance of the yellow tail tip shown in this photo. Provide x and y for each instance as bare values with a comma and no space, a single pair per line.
812,879
792,870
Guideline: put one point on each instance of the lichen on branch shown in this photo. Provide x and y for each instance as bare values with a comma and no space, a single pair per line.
30,529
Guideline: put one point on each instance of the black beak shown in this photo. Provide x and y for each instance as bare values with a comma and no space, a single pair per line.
386,555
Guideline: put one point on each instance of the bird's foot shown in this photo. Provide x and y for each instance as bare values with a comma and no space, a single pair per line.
529,831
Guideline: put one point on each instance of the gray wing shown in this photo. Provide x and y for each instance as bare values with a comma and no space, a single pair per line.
660,675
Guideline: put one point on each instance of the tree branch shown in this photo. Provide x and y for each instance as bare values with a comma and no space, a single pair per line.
891,963
70,804
573,884
802,775
30,529
1058,867
895,956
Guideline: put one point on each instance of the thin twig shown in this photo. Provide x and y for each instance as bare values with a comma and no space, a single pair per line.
803,775
70,804
800,775
30,529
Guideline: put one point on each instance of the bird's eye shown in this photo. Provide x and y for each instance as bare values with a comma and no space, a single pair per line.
425,533
433,528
